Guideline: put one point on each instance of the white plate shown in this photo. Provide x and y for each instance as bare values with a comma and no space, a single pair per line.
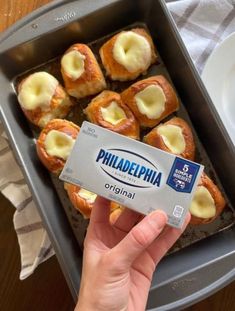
219,78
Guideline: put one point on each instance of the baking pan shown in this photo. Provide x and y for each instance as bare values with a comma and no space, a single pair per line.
77,222
190,273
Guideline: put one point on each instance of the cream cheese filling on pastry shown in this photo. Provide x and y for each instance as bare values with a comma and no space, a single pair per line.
58,144
113,113
132,51
173,137
151,101
37,91
87,195
203,204
73,64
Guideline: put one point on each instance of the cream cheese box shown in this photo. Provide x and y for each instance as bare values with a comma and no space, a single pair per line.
132,173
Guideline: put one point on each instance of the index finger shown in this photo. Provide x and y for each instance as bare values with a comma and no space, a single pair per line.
166,240
140,237
100,211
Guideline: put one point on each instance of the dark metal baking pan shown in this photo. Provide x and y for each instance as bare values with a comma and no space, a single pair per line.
189,274
79,225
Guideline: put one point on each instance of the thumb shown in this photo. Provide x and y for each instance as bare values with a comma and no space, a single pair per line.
140,237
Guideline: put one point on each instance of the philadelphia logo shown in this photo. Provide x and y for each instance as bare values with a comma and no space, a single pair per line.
129,168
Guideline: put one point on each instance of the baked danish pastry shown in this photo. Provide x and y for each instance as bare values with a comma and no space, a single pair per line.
55,143
83,200
208,202
128,54
42,98
81,72
174,136
108,110
116,211
151,100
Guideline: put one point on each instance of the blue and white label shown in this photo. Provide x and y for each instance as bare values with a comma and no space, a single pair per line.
183,175
129,168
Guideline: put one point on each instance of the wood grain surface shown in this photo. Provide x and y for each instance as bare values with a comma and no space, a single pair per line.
46,289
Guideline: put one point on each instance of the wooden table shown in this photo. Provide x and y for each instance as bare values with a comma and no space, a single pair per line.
46,289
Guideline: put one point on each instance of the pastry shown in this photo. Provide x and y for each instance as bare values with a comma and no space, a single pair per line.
42,98
83,200
174,136
128,54
55,143
208,202
151,100
81,72
107,110
116,211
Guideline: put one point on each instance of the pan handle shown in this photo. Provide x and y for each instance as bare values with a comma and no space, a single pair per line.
217,273
194,274
49,17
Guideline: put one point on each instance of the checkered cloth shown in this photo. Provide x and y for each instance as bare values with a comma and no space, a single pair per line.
202,24
35,246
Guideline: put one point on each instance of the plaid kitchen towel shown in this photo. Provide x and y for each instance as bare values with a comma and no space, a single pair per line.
35,246
202,24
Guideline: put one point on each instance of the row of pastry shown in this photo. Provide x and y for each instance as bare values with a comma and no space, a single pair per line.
143,105
124,57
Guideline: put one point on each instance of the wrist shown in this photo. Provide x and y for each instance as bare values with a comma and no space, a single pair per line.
86,302
86,306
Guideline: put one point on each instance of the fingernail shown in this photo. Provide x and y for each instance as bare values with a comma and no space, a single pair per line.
158,218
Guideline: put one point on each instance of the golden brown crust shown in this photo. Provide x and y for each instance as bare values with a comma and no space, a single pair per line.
115,70
85,208
52,163
78,202
171,105
154,139
59,107
128,127
115,213
219,200
91,81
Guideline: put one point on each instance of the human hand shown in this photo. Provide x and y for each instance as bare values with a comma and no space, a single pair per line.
119,260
